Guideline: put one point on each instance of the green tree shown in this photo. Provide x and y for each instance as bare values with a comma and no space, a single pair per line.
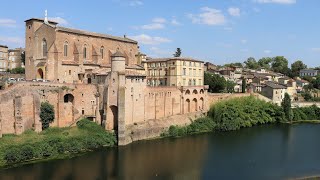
286,106
296,67
46,114
216,82
177,53
237,64
18,70
230,86
280,64
316,82
251,63
307,96
244,85
23,57
265,62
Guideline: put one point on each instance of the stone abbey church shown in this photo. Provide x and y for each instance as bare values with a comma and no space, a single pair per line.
91,75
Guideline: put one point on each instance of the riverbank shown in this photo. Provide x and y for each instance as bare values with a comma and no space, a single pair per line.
53,143
244,112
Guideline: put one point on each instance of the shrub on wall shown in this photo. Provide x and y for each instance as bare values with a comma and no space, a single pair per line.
46,114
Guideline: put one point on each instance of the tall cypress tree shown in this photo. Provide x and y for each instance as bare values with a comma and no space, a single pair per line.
286,106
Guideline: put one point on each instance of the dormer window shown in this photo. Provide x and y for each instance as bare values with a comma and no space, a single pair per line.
44,48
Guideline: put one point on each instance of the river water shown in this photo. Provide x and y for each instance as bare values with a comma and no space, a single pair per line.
265,152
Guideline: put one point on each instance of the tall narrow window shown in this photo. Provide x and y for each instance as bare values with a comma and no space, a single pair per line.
101,52
65,49
85,52
44,48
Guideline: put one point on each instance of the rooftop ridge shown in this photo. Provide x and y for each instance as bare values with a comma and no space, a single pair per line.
84,32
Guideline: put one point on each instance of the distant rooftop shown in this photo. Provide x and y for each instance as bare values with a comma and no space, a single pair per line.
274,85
172,58
4,46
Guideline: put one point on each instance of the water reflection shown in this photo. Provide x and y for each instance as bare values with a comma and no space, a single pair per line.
265,152
160,159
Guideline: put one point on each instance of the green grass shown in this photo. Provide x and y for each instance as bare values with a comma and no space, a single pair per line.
53,143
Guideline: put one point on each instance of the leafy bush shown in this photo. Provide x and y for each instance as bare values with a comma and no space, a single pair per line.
244,112
54,142
306,113
26,153
46,114
12,155
198,126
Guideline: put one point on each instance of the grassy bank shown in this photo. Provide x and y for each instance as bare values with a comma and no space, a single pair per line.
53,143
244,112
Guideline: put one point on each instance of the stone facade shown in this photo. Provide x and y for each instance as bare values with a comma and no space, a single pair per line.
69,55
3,58
14,60
176,71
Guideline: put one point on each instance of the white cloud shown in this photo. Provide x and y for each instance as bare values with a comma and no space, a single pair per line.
175,22
267,51
157,23
257,10
59,20
277,1
208,16
157,52
146,39
244,41
159,20
135,3
315,49
16,41
153,26
234,11
8,23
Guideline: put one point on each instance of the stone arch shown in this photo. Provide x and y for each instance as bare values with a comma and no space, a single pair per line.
201,91
195,104
187,92
68,98
187,107
114,110
40,73
201,103
194,91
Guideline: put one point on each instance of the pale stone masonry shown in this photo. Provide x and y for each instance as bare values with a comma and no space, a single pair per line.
14,58
3,58
177,71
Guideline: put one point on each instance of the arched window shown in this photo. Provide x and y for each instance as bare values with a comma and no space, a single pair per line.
44,48
65,49
85,52
102,52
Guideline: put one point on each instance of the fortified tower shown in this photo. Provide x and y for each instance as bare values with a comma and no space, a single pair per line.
116,97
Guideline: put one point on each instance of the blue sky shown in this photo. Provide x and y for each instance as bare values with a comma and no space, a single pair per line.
219,31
